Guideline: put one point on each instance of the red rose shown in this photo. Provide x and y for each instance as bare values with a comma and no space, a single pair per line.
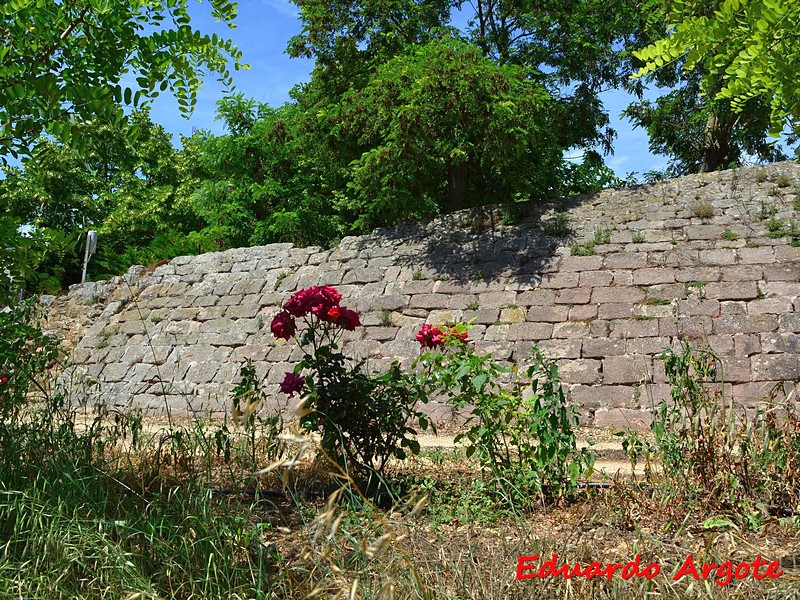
3,379
283,325
347,318
330,294
315,299
462,337
292,383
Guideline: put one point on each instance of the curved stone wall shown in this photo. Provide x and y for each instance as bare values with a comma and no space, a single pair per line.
699,259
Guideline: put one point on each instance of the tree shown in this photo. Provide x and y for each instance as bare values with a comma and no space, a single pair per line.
259,182
572,48
701,134
62,63
744,51
444,128
129,183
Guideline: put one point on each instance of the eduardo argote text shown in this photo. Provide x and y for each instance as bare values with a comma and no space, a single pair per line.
529,567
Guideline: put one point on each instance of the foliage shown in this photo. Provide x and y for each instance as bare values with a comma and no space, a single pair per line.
713,456
743,50
699,133
570,48
62,64
247,400
258,184
364,418
26,353
444,128
130,184
523,438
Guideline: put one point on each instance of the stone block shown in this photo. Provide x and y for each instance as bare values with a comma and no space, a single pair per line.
586,371
780,288
571,329
603,396
497,299
721,257
746,344
741,290
693,306
629,295
529,331
626,369
537,297
634,328
625,419
561,348
756,256
783,272
547,314
775,367
614,311
790,322
694,274
776,342
733,324
497,332
770,306
600,348
623,277
579,295
625,260
381,333
429,301
560,280
652,276
513,314
581,263
583,312
757,392
590,279
483,316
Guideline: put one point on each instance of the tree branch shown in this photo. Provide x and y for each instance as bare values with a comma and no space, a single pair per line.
64,35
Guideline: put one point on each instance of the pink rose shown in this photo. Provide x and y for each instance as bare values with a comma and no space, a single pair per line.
429,336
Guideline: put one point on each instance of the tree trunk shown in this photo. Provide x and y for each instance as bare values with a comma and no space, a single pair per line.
718,153
457,187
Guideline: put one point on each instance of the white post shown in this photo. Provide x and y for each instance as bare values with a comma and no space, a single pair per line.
91,245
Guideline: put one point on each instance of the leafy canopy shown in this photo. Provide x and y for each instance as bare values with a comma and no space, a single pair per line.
746,49
62,63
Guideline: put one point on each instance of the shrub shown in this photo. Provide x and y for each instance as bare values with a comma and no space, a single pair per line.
712,455
523,439
364,419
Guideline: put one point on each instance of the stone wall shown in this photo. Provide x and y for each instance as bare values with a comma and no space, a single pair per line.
687,259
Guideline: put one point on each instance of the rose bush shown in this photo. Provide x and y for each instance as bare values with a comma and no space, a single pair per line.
524,439
364,418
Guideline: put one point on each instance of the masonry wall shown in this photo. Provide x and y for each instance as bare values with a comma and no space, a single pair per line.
688,259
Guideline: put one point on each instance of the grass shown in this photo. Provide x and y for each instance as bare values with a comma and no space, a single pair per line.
114,505
703,209
729,235
558,226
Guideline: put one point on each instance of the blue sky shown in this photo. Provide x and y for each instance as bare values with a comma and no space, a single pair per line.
263,30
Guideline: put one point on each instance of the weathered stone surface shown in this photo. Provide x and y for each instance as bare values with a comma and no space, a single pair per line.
184,329
626,369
